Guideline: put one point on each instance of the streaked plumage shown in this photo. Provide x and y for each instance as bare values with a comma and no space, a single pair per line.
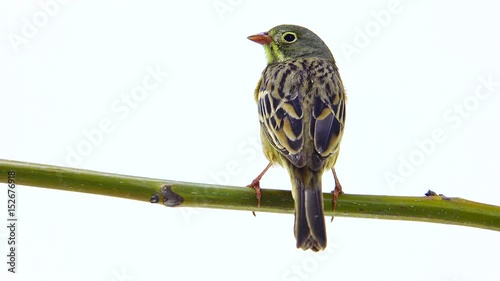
301,105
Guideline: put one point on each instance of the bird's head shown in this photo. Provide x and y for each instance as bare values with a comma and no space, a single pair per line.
286,42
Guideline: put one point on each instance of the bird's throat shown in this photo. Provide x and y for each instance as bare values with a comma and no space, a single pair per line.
273,54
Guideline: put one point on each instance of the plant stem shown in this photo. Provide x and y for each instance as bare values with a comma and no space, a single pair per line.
435,208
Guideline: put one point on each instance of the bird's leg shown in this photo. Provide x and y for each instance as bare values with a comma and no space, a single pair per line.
337,191
256,184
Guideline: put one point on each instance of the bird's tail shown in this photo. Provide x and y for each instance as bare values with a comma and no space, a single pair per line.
310,230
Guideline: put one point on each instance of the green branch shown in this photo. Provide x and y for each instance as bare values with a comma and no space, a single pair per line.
432,208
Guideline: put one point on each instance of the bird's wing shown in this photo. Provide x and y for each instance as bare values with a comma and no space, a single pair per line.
327,118
295,100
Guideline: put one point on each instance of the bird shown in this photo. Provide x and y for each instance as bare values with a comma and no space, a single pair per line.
301,105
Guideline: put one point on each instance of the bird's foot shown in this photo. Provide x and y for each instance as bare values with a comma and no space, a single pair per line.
256,185
336,192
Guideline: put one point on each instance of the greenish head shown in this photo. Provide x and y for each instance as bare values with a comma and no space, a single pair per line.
286,42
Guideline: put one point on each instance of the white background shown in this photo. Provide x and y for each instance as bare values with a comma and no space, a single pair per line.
408,67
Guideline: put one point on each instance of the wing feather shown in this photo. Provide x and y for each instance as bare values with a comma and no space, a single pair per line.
303,96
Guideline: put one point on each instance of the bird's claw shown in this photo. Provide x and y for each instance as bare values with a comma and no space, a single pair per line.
256,185
336,192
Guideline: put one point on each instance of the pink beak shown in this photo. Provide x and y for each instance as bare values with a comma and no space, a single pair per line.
262,38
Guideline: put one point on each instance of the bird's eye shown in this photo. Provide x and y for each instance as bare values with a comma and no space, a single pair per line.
289,37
